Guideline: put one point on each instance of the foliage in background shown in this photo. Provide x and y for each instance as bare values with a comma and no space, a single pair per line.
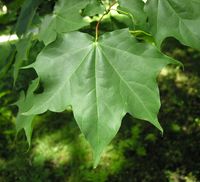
36,100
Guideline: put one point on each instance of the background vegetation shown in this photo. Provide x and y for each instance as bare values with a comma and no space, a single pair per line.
59,151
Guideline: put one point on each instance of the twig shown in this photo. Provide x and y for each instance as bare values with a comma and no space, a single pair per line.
98,23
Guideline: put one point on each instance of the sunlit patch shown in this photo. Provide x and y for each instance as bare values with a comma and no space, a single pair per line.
113,10
47,149
178,176
61,152
5,38
4,9
164,72
184,81
112,159
181,78
168,71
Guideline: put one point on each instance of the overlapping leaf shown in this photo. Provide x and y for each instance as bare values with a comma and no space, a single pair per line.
136,10
22,121
4,54
7,55
66,17
175,18
94,7
26,16
102,81
23,46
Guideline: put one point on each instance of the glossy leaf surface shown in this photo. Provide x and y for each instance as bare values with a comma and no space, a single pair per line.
175,18
66,17
136,9
102,81
94,8
22,121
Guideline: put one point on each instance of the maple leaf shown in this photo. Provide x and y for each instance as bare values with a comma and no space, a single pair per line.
23,121
66,17
102,81
175,18
136,9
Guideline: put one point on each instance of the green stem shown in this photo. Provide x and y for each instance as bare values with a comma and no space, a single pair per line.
97,27
140,31
125,13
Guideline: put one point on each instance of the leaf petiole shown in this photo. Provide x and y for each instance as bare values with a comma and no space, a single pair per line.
98,23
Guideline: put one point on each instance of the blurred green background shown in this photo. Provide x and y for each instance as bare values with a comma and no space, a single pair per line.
139,152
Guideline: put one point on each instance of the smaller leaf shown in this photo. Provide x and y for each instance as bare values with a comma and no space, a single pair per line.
22,121
136,10
4,53
26,16
7,61
175,18
120,21
141,35
23,47
47,32
93,8
66,18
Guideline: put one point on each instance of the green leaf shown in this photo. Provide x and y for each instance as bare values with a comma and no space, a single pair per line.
94,8
26,16
141,35
136,9
22,121
175,18
102,81
7,52
4,53
23,47
66,17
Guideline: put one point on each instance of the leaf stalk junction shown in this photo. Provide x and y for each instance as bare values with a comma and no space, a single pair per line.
98,23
